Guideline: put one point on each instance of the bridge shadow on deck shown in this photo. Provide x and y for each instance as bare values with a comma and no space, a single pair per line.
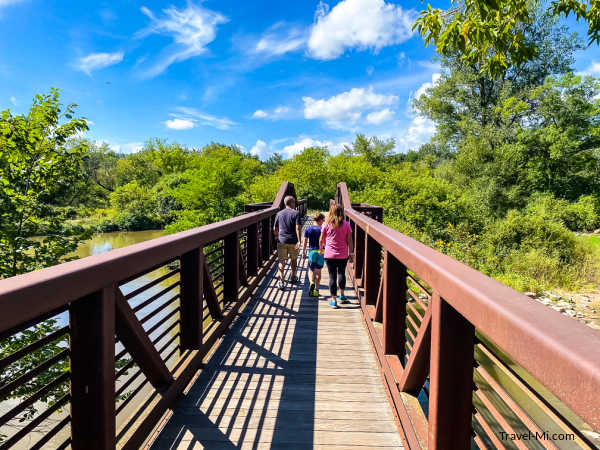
290,373
258,388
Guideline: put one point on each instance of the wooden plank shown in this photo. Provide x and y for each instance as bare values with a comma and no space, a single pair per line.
351,424
451,379
187,370
284,371
137,343
287,437
92,345
406,416
192,293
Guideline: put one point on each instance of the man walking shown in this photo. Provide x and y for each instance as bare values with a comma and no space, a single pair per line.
288,228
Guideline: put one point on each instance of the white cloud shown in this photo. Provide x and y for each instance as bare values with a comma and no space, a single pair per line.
419,131
261,149
187,114
191,29
278,113
593,69
431,65
13,99
259,114
427,85
298,146
129,147
362,24
280,39
379,117
95,61
346,107
179,124
4,3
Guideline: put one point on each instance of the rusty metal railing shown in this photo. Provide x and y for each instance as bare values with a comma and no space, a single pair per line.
467,360
136,325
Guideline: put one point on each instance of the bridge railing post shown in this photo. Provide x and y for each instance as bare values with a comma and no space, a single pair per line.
451,378
231,266
252,250
266,239
92,352
191,298
359,255
372,269
394,306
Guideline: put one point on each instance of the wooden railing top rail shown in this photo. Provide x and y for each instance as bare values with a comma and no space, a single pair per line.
560,352
31,295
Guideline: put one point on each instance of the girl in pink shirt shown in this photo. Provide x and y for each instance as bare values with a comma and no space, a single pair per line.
336,238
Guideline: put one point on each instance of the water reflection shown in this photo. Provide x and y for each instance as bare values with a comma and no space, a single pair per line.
103,242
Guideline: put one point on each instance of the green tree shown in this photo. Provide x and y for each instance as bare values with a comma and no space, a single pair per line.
492,35
168,157
138,167
37,163
274,162
211,189
465,98
377,152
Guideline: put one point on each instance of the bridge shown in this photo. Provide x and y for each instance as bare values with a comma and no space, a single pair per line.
184,342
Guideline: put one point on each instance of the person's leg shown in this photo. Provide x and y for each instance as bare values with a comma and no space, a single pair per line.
293,251
317,278
332,269
311,277
281,256
341,280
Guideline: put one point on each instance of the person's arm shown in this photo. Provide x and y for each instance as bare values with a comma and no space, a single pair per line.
298,229
323,238
304,247
350,243
299,234
276,227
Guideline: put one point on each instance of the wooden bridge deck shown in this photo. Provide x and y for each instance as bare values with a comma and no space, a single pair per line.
291,373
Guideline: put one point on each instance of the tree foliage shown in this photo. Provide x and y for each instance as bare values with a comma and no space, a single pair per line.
37,165
492,35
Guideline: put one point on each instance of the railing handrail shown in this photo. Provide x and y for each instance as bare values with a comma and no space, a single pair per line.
36,293
563,354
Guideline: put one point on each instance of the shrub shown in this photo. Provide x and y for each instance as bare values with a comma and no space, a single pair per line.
579,216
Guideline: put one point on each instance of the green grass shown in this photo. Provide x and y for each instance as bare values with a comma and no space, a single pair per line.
594,241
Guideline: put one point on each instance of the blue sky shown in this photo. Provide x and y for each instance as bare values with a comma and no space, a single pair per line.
266,75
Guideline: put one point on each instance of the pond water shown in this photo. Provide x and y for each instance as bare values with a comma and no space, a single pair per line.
103,242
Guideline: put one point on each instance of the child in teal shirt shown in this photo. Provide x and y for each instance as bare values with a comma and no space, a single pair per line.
316,260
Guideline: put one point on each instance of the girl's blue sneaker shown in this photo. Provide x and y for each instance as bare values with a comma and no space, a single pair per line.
343,299
333,303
